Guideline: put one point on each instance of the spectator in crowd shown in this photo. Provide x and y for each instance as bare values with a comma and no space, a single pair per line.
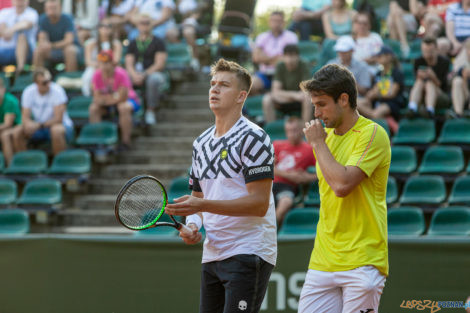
10,115
5,4
368,43
344,48
145,61
161,13
269,47
57,39
93,46
112,88
467,305
307,20
460,82
386,97
44,115
120,13
38,6
431,79
337,21
18,27
292,157
458,24
403,18
85,14
285,92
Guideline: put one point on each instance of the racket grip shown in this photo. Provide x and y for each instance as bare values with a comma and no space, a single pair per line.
185,229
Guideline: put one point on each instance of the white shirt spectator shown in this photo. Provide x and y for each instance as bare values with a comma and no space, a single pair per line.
122,9
86,12
154,7
367,47
9,17
42,106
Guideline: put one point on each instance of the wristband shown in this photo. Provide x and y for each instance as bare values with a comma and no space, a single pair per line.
194,219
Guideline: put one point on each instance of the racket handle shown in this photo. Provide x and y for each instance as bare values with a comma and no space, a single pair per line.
185,229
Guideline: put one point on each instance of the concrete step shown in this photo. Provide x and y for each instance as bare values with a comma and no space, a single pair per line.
164,143
112,186
192,115
160,171
178,129
99,216
101,205
182,156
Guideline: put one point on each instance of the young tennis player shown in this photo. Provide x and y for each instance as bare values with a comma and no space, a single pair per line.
349,262
231,180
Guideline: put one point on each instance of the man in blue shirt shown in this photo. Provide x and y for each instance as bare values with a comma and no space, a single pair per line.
57,40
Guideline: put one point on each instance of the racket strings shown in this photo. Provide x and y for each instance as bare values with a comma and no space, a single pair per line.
141,203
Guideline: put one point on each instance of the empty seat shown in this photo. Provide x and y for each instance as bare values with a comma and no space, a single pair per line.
406,220
254,105
327,51
74,161
309,51
275,130
313,195
460,193
415,131
403,160
8,191
28,162
426,189
451,221
443,160
384,124
392,190
178,188
103,133
14,222
455,132
179,55
300,222
77,107
41,191
394,45
408,72
21,82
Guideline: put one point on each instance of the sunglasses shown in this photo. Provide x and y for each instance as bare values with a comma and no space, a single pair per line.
44,82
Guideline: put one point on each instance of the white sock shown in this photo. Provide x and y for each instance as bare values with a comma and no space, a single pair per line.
430,109
413,106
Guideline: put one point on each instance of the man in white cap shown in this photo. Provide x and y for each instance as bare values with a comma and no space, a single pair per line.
344,48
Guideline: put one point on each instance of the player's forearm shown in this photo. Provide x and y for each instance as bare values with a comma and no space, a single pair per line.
335,174
250,205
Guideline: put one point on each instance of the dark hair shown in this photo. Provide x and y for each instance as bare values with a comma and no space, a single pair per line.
332,80
291,49
281,13
430,40
111,4
243,76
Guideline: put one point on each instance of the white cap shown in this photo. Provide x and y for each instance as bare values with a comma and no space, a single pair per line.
344,44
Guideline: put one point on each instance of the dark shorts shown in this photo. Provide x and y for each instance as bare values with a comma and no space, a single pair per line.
267,80
44,134
234,285
394,106
289,107
281,190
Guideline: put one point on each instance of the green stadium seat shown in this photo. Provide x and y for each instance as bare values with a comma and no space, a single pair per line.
392,190
384,124
408,72
455,132
2,163
415,49
14,222
442,160
327,51
450,221
21,82
313,195
6,80
275,130
75,161
28,162
394,45
179,55
300,222
404,160
460,193
8,191
103,133
41,191
309,51
163,231
426,189
77,107
406,220
178,188
254,105
415,131
70,81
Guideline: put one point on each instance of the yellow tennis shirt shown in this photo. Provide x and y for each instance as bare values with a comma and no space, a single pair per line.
352,231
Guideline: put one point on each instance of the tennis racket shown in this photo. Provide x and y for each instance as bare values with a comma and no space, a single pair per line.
141,203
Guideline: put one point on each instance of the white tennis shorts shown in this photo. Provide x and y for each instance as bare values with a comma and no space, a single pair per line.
354,291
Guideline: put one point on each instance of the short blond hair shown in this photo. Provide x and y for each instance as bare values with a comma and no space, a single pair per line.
242,74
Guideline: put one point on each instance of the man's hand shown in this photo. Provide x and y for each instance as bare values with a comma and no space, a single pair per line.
30,128
194,238
185,205
8,34
314,132
138,79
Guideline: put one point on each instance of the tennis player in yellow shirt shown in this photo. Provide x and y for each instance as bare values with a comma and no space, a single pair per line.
349,262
